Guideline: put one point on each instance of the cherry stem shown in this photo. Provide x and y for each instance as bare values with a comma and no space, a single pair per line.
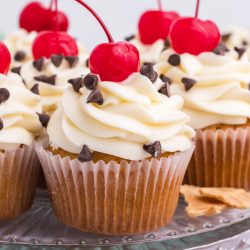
110,38
159,4
197,8
56,17
51,4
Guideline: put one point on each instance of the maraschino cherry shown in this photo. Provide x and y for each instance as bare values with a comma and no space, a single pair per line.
5,59
113,61
154,24
48,43
35,17
192,35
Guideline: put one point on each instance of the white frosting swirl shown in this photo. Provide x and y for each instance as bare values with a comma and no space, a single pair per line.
51,94
134,113
148,53
18,114
221,94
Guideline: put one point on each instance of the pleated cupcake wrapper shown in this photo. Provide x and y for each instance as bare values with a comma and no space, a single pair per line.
125,198
221,159
18,178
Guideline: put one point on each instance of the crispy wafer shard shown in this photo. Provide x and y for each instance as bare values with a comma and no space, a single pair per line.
236,198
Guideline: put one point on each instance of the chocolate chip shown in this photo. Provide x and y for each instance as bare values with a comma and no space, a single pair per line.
44,119
188,83
47,79
4,95
165,89
35,89
129,38
16,70
1,124
221,49
225,37
72,60
90,81
165,79
244,43
38,64
240,51
85,155
95,97
148,71
174,60
77,83
153,149
87,63
56,59
166,43
19,56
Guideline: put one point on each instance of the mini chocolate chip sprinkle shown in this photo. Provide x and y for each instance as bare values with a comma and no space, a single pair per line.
47,79
129,38
1,124
4,95
165,89
188,83
85,155
77,83
90,81
225,37
95,97
240,51
148,71
35,89
244,43
166,43
72,60
174,60
38,64
44,119
153,149
221,49
16,70
56,59
166,79
87,63
19,56
148,63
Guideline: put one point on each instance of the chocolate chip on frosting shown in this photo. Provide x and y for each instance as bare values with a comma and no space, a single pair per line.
87,63
225,37
244,43
240,51
165,89
4,95
1,124
166,43
77,83
129,38
165,79
174,60
95,97
35,89
44,119
153,149
148,71
85,155
19,56
47,79
188,83
72,60
16,70
38,64
90,81
221,49
56,59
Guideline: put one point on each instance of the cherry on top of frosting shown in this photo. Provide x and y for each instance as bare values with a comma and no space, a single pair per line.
35,17
5,59
154,24
193,35
112,61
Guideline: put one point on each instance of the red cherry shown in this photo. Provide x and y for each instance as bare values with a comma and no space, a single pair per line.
59,22
114,61
48,43
194,36
5,59
154,25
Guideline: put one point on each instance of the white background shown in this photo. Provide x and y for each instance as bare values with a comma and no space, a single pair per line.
121,16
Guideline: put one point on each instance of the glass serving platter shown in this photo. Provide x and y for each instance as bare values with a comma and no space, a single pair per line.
39,228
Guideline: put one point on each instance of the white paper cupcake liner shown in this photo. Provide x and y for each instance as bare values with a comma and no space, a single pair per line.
18,178
221,159
125,198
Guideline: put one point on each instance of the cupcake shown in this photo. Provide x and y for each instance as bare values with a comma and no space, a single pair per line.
215,89
20,111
